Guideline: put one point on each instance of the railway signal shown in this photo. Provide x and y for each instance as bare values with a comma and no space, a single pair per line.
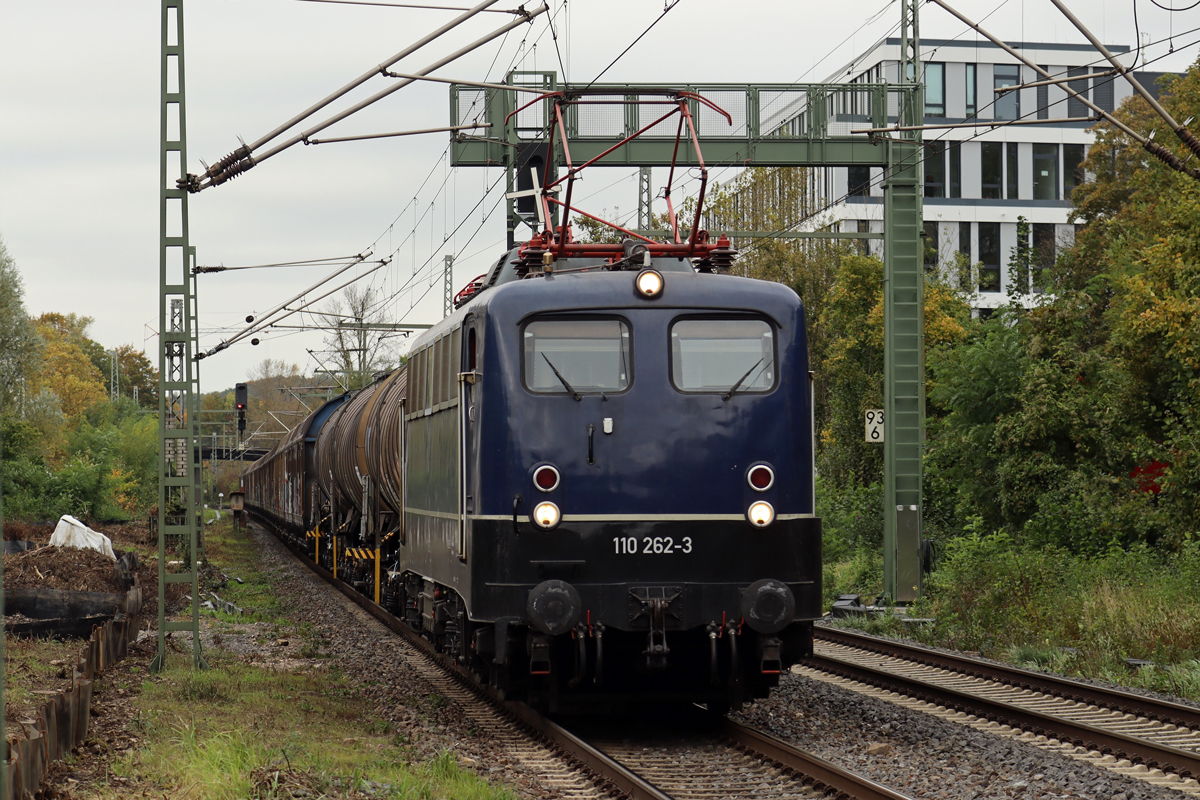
239,395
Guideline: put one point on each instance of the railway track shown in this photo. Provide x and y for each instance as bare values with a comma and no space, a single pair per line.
1142,737
702,758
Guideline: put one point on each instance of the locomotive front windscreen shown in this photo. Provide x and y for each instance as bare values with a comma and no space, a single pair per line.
722,355
564,356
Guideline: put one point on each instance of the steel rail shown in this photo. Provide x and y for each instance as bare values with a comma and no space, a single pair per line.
610,772
1169,759
1115,699
824,773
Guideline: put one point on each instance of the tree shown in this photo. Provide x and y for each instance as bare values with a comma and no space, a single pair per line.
20,346
67,367
355,348
1077,423
135,372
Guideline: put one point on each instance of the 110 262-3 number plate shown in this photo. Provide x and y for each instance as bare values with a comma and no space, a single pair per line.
651,545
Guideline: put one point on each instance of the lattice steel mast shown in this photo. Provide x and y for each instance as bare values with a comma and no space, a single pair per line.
178,420
903,329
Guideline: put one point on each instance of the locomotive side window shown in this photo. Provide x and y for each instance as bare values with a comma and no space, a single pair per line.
414,382
564,356
439,371
722,355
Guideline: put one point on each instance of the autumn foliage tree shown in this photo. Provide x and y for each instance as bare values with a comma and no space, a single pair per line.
68,448
1077,423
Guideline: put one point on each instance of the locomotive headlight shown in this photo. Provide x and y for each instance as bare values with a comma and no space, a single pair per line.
760,514
649,283
546,515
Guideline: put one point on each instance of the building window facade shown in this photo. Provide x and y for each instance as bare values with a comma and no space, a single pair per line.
989,256
1044,253
1072,168
1043,99
1102,90
935,90
1075,106
964,249
1008,105
954,182
1012,158
971,85
858,181
1045,172
929,235
935,169
991,170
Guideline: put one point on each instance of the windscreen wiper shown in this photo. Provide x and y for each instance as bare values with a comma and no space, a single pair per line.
734,388
563,380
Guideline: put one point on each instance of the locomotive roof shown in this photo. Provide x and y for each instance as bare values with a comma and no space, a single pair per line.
613,290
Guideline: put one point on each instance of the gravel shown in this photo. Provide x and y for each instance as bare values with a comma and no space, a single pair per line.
373,658
926,756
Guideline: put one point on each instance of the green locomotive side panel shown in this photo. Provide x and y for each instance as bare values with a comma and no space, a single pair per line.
433,463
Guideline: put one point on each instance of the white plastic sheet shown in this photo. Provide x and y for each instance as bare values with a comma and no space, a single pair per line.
70,532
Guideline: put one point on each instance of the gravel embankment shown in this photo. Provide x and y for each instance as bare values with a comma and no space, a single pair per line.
373,658
929,757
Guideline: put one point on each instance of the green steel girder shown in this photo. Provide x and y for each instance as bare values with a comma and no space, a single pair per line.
724,151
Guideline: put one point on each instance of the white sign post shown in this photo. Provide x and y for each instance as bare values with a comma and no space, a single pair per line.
875,425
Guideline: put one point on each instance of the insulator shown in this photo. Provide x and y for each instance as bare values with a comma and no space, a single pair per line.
225,163
1191,141
233,171
1164,155
189,183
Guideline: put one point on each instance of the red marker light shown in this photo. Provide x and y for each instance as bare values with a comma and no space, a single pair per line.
761,478
546,478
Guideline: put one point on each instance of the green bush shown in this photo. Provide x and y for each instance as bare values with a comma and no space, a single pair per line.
851,518
993,595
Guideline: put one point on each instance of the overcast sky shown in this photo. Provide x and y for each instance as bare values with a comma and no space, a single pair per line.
79,93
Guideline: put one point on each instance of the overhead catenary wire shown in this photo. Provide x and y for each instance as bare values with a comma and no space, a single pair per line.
1181,131
620,55
365,136
312,262
355,261
419,6
390,227
366,76
1155,149
243,158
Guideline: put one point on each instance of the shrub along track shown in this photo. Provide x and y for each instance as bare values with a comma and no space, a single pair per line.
715,759
1141,737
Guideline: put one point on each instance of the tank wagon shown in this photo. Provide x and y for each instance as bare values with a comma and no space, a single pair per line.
592,482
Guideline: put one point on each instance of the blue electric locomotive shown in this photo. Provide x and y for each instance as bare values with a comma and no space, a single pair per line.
606,485
593,481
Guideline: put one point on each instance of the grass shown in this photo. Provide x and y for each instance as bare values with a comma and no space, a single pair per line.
32,664
240,731
1052,610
